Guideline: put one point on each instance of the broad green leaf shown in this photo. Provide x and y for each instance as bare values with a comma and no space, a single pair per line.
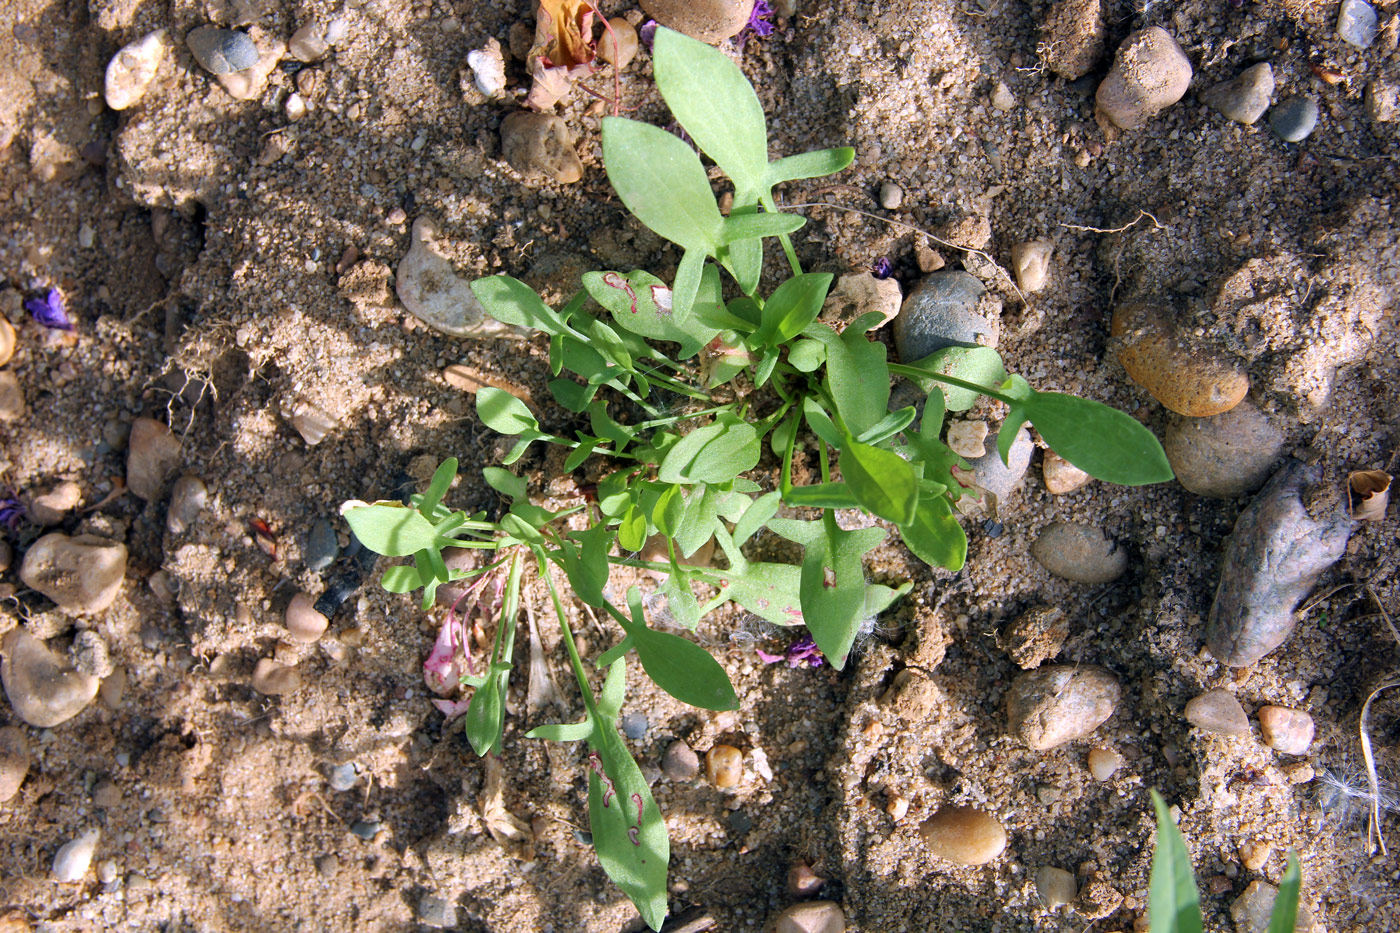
980,365
661,181
401,579
666,514
681,668
792,307
632,531
511,301
584,557
503,413
881,480
813,164
505,482
391,529
1104,442
806,355
856,373
641,303
715,453
934,535
833,580
697,524
582,359
822,496
1173,903
768,590
739,227
438,486
1285,913
756,516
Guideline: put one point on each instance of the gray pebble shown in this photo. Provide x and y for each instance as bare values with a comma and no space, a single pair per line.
436,912
1055,886
634,725
1244,98
1003,479
680,763
322,546
1224,455
1356,23
342,777
187,500
222,51
1218,711
946,309
1081,553
366,829
1294,119
739,822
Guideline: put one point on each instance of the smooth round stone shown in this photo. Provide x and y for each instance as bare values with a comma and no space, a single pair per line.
724,766
1244,98
963,835
273,679
618,47
1061,476
946,309
1048,707
1031,263
342,777
1294,119
1081,553
312,42
107,871
432,291
436,912
1183,373
222,51
1357,23
1218,711
1104,763
1150,73
8,341
680,763
811,917
131,70
1286,730
710,21
1055,886
1225,455
891,196
53,504
1073,35
153,453
304,624
187,500
14,761
366,829
42,688
540,146
322,546
82,574
1003,479
71,862
634,725
968,439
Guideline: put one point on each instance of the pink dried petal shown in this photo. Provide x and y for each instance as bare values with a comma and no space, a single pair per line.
441,671
452,709
767,658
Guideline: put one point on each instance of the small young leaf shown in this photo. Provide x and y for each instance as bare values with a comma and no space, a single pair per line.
503,413
485,719
511,301
580,453
505,482
792,307
809,165
401,579
715,453
820,423
856,372
833,580
766,366
1285,913
584,557
881,480
666,514
391,529
1010,427
738,227
562,731
438,486
1104,442
632,531
756,516
1173,903
889,426
806,355
980,365
934,536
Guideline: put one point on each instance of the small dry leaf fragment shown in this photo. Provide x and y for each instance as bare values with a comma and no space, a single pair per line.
1368,494
513,834
563,50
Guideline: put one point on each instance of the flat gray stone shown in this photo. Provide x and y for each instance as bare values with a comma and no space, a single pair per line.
946,309
222,51
1244,98
1356,23
1294,119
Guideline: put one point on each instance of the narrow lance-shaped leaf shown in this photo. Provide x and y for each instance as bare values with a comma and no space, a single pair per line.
661,181
1174,906
1285,914
680,667
1104,442
485,719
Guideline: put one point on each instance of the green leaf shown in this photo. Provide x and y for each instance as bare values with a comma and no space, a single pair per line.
503,413
438,486
667,512
833,580
739,227
806,356
391,529
931,424
822,496
1173,903
681,668
505,482
889,426
809,165
584,557
856,373
881,480
632,532
615,652
401,579
792,307
607,342
641,303
934,535
1104,442
768,590
766,366
756,516
1285,913
604,426
562,731
511,301
820,423
1010,427
783,434
580,453
680,598
715,453
697,524
981,365
661,181
485,719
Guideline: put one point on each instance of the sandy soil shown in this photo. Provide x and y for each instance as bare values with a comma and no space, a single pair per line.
209,298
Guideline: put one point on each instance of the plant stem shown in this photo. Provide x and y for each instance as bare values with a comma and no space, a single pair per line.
568,633
914,372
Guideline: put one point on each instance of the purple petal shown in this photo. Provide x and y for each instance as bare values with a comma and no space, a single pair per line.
648,33
759,19
883,268
767,658
49,311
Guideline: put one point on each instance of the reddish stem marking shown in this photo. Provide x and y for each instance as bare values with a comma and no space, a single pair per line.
596,764
637,799
632,834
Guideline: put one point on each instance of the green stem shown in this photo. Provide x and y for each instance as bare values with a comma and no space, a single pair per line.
826,465
659,422
770,205
914,372
568,633
785,484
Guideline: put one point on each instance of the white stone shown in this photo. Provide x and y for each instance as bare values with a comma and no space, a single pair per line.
131,70
1031,263
429,288
488,68
72,861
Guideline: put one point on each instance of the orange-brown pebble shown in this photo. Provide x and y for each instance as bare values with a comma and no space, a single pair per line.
1184,374
724,766
304,623
1061,476
964,835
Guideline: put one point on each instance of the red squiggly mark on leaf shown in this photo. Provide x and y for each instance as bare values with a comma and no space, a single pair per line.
613,280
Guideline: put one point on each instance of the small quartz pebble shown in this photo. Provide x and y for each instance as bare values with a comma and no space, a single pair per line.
187,500
1104,763
891,196
619,46
132,69
724,766
1255,855
860,293
1082,553
1002,98
1050,706
1357,23
107,871
1031,263
73,859
488,68
968,438
437,912
310,420
634,725
963,835
273,679
680,763
1244,98
304,624
1286,730
313,41
7,341
1218,711
429,288
811,917
14,761
802,881
1253,910
1149,73
342,777
1294,119
1061,476
1055,886
222,51
295,107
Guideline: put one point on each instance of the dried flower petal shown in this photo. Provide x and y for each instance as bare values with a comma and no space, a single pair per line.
1368,494
50,311
647,34
883,268
760,20
11,512
453,709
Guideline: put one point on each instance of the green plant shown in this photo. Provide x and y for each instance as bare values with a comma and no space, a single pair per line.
1173,906
748,371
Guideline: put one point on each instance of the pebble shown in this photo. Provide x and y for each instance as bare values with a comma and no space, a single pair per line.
488,68
313,41
539,145
891,196
710,21
1061,476
1002,98
811,917
107,871
429,288
311,421
305,625
1255,855
1031,263
437,912
1186,375
322,546
1357,23
858,293
946,309
1382,106
187,500
802,881
91,655
73,859
1048,707
1292,531
1003,479
153,453
1104,763
366,829
1226,455
295,107
328,865
1286,730
1082,553
634,725
131,70
1218,711
968,438
1294,119
1149,74
342,777
620,47
52,506
1244,98
12,405
724,766
14,761
82,574
222,51
963,835
1072,38
273,679
42,688
106,794
249,83
8,341
1055,886
1253,909
1035,636
680,763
